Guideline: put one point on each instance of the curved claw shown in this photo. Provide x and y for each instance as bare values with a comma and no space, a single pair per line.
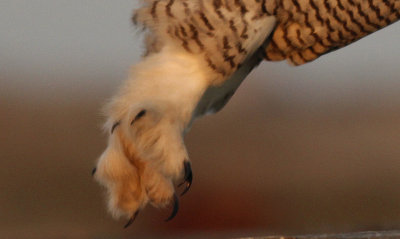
94,171
132,219
115,125
187,179
175,209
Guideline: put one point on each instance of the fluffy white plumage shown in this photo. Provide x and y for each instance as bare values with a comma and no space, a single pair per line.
157,85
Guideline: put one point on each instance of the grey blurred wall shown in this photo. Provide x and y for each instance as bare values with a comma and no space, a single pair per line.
297,150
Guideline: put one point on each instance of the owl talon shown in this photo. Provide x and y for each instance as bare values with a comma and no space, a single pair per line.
175,208
115,125
94,171
132,219
187,179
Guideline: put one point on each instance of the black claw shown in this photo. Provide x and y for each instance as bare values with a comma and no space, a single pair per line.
175,209
94,170
132,219
114,126
187,179
138,116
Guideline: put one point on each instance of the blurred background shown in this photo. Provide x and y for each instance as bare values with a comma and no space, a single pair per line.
297,150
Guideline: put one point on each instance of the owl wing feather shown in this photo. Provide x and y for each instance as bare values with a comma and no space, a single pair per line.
308,29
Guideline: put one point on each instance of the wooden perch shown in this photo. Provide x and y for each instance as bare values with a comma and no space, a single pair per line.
355,235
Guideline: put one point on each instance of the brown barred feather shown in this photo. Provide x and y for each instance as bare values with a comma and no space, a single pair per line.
223,32
316,27
306,29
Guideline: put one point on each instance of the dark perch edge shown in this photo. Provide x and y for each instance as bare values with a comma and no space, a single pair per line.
353,235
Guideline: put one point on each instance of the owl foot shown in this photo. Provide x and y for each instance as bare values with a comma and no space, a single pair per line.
147,120
134,180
